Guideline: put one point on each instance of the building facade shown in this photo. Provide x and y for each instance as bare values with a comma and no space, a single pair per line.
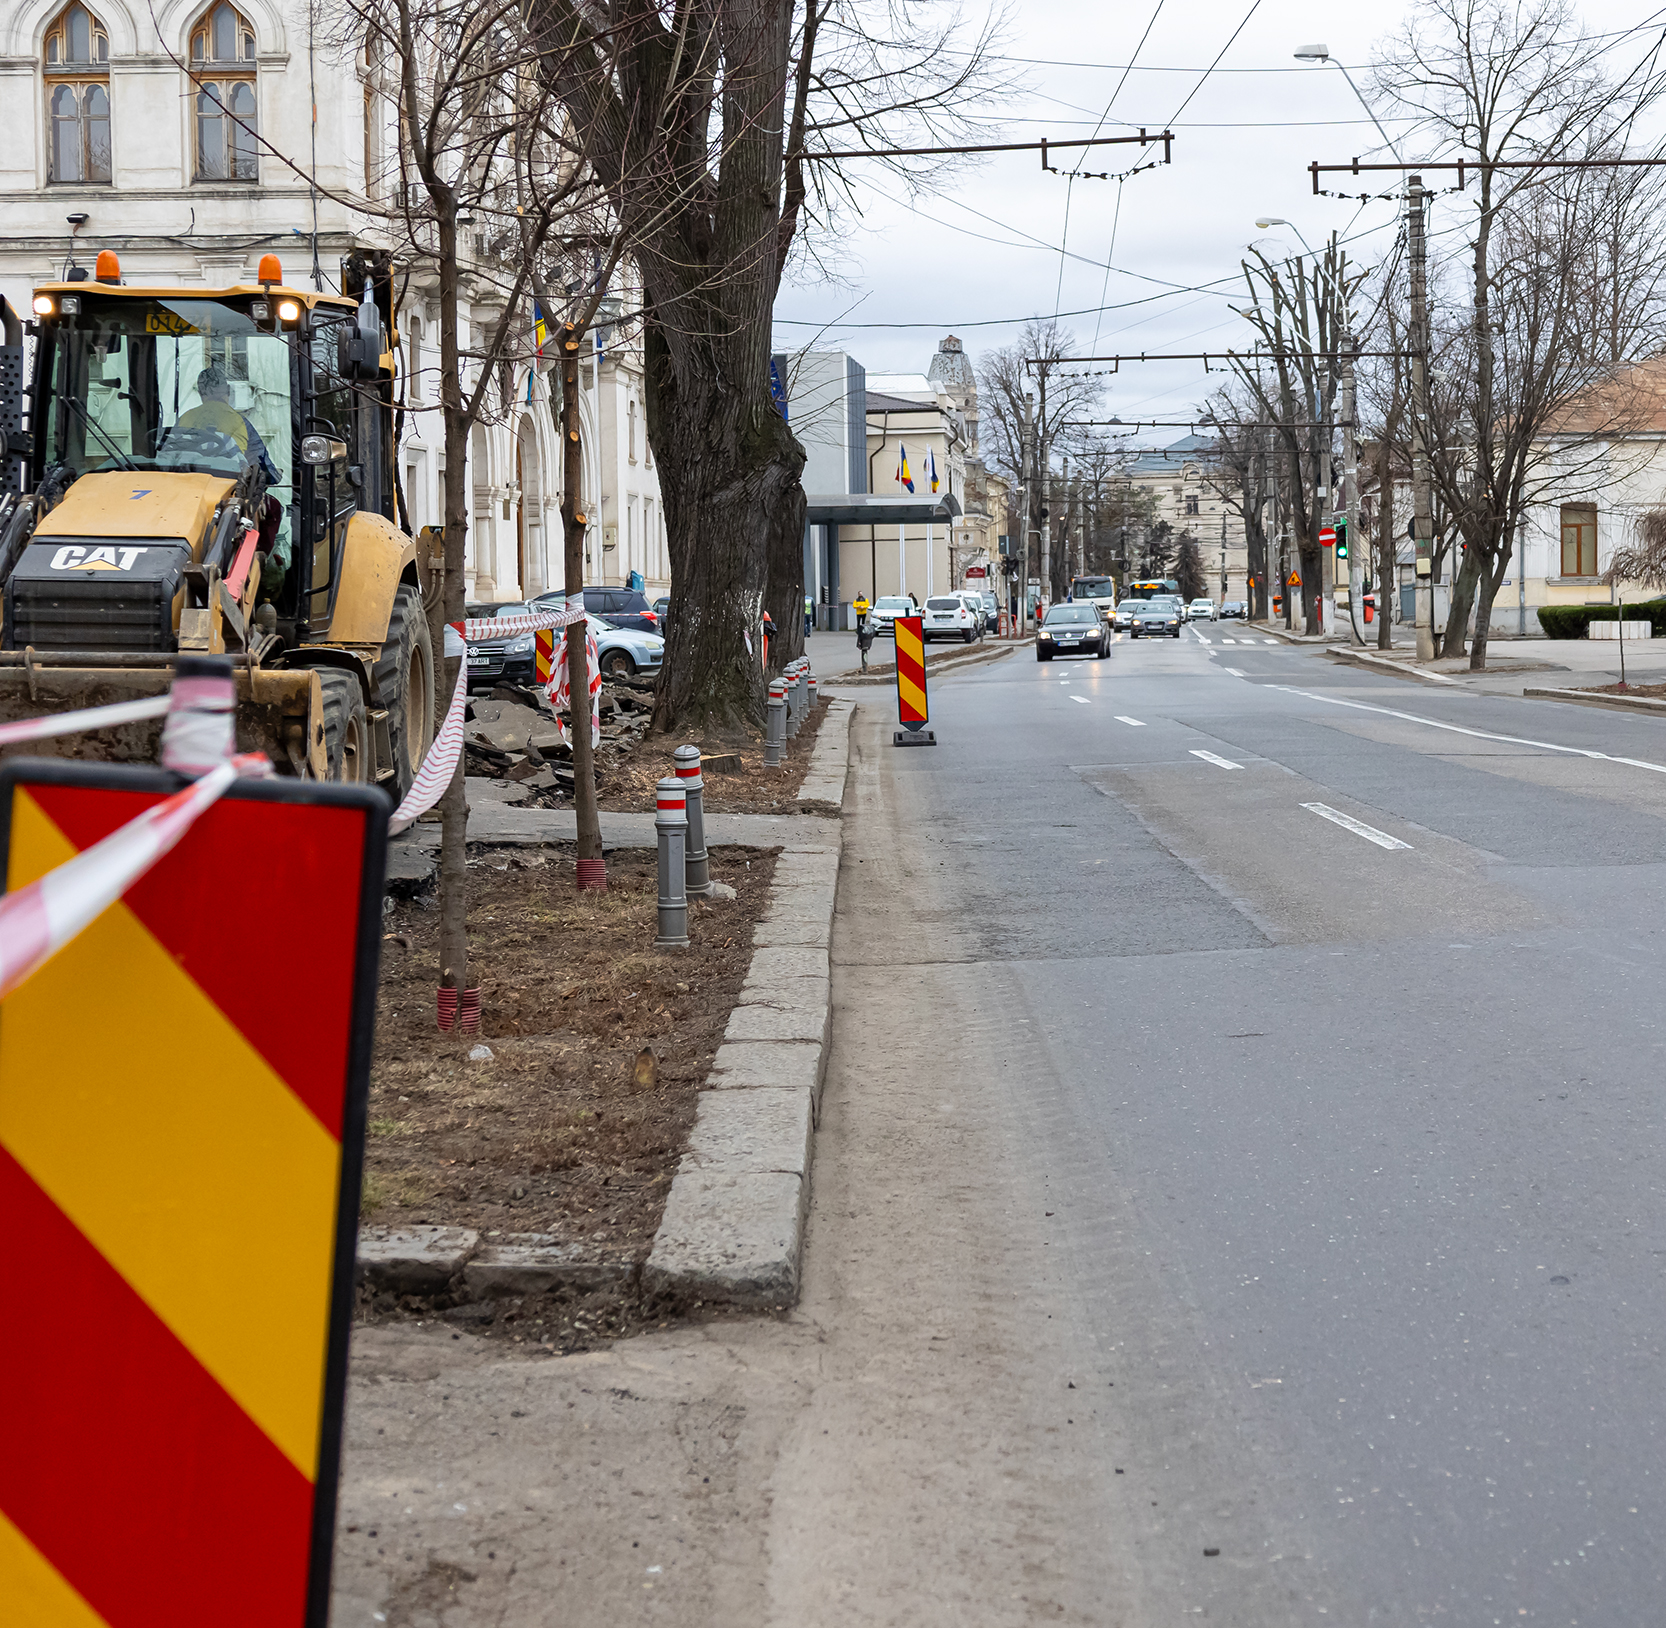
186,144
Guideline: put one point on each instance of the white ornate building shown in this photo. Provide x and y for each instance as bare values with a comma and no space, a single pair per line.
117,136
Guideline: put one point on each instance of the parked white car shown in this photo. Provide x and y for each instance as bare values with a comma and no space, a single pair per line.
622,652
887,609
974,603
948,616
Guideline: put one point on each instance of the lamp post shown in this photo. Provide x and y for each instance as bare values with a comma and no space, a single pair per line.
1264,221
1321,54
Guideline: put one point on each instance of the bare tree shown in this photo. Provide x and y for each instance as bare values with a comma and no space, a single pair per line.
1300,309
1040,365
1239,473
706,122
1562,282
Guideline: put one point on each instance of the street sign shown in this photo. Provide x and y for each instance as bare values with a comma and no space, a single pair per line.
1295,580
182,1118
544,639
1327,536
977,571
912,713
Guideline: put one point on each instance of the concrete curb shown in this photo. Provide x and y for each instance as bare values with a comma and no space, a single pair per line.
1584,698
733,1230
943,666
429,1260
824,780
1348,653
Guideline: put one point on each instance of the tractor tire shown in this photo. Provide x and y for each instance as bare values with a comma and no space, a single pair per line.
347,747
405,681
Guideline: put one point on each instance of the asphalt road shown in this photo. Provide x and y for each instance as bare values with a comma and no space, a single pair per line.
1236,1199
1348,1132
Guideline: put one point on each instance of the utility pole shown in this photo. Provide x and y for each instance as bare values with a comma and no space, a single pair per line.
1423,520
1049,500
1350,480
1026,463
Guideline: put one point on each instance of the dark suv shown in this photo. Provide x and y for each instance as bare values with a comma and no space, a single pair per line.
624,607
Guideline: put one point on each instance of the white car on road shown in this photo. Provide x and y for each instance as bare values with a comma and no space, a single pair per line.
947,616
887,609
1201,610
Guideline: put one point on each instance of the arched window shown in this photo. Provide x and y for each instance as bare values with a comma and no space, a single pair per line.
77,68
223,68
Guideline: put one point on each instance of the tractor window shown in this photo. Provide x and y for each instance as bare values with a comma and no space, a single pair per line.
169,385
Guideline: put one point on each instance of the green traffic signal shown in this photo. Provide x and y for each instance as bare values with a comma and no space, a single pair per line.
1341,537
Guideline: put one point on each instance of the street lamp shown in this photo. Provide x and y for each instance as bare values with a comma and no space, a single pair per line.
1321,54
1264,221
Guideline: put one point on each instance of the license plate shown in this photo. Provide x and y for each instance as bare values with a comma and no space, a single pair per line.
480,661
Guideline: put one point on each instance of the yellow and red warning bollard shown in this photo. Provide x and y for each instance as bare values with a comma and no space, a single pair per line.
912,712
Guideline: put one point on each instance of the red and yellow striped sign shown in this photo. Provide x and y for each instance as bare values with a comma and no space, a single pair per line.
544,640
911,671
182,1103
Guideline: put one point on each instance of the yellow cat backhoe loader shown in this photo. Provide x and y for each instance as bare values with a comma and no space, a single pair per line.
195,471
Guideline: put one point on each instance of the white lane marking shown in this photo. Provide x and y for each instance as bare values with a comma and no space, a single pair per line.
1264,641
1358,827
1233,670
1477,734
1133,723
1209,757
1200,638
1229,641
1082,698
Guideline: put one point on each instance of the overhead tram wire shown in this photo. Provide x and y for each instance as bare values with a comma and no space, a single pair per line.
1064,234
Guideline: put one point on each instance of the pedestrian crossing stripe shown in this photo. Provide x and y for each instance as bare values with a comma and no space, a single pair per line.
182,1104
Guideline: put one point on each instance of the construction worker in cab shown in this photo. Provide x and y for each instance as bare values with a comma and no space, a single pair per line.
214,412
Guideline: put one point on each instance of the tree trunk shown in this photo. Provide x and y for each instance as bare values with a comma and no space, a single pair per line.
574,520
1463,601
1489,586
729,479
454,808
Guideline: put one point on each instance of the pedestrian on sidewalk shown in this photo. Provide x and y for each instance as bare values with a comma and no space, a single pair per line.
809,615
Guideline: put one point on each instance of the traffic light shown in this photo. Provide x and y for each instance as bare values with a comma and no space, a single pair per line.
1341,524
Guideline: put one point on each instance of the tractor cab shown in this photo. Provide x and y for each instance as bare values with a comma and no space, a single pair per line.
211,471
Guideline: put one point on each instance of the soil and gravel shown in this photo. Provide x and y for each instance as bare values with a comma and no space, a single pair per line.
1649,692
733,772
600,1044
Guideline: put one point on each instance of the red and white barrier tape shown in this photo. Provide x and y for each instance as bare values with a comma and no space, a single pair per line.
441,762
560,690
73,723
39,920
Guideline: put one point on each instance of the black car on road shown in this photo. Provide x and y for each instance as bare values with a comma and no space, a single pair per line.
1073,630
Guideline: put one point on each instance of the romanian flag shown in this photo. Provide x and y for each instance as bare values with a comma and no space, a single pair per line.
904,477
540,330
931,467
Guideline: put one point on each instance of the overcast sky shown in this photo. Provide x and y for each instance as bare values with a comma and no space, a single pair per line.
981,256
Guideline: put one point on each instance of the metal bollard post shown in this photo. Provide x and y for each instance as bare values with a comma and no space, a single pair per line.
671,826
795,698
697,861
775,724
810,696
789,694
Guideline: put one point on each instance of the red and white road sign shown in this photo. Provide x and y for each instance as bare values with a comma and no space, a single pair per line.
977,570
1327,536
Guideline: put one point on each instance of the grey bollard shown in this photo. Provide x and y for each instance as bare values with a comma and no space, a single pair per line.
810,696
795,698
697,862
671,826
789,694
775,724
